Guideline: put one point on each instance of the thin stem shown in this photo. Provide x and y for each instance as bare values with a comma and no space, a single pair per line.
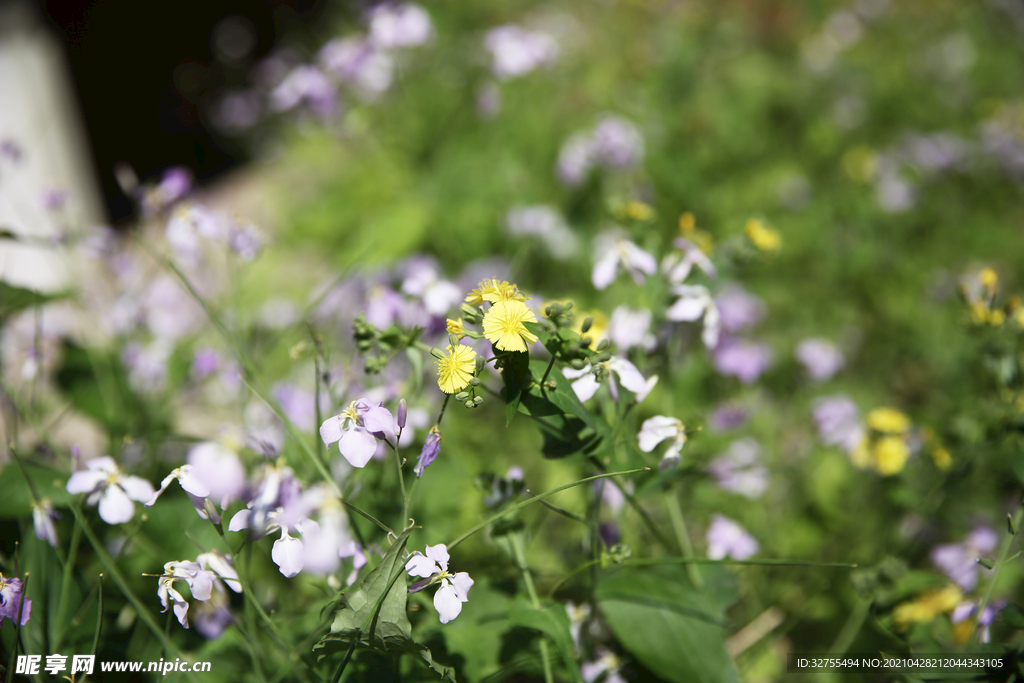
633,503
536,499
851,628
547,371
1003,552
531,590
444,405
675,513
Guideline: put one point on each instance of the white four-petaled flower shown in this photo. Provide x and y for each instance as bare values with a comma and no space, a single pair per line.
433,566
112,489
357,429
658,428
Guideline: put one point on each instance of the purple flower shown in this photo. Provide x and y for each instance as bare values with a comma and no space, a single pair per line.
516,51
200,583
306,85
112,489
205,362
726,538
743,359
431,449
821,358
245,241
612,250
545,223
958,560
356,430
54,197
606,663
175,184
43,515
739,308
585,383
394,26
617,143
357,61
740,470
11,600
677,267
969,608
10,149
727,417
220,469
454,588
838,422
186,225
576,159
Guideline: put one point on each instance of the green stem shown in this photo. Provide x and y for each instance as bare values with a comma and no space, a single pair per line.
531,590
851,628
675,513
536,499
99,618
65,586
633,503
1003,552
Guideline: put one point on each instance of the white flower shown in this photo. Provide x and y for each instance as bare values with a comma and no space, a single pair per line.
586,384
658,428
433,567
612,251
695,301
677,267
113,490
199,581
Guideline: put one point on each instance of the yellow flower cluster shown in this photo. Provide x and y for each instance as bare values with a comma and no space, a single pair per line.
884,449
765,239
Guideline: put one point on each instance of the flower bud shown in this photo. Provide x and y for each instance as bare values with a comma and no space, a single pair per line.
403,412
587,322
586,342
437,353
577,364
470,404
462,396
479,363
603,345
478,400
474,382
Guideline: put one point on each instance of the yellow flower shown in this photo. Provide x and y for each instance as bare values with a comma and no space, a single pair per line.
687,223
890,455
763,238
688,229
503,325
943,460
493,291
926,607
457,327
638,211
861,455
455,369
888,421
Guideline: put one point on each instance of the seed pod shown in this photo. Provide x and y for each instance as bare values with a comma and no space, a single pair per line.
587,322
603,345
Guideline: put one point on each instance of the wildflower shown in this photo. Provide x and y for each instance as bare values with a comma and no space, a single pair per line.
546,224
739,308
726,538
963,624
926,607
186,225
727,417
612,251
691,233
607,663
433,567
113,490
888,421
890,455
516,51
357,429
694,302
745,360
288,552
325,543
492,291
678,267
456,327
578,615
958,561
309,85
838,422
659,428
200,583
43,515
357,61
11,599
431,449
503,326
455,369
763,238
617,142
196,489
740,470
586,382
629,328
821,358
397,26
424,280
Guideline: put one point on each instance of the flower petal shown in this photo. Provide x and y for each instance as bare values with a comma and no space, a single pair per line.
655,430
439,553
358,446
605,270
137,488
240,520
330,430
446,602
115,506
287,555
585,387
421,566
462,584
85,481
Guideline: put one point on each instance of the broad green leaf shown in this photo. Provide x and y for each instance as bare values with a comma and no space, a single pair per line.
515,373
387,628
563,395
674,630
553,622
14,299
444,671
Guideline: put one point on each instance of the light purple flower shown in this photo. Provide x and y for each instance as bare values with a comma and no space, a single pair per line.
630,327
359,62
838,422
54,197
822,358
433,567
606,663
200,583
438,294
727,417
218,468
105,484
326,543
186,225
11,591
545,223
10,149
740,470
246,241
613,251
205,362
659,428
396,26
306,85
895,193
958,561
677,266
516,51
431,449
43,515
288,552
357,429
969,608
726,538
739,308
617,142
175,184
743,359
576,159
693,303
196,489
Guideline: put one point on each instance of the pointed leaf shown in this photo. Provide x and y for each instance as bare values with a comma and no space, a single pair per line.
553,622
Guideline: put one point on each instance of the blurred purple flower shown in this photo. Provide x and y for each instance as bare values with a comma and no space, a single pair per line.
743,359
395,26
677,266
612,250
43,516
726,538
694,302
958,560
546,224
969,608
629,328
617,142
740,470
727,417
431,449
822,358
359,62
739,308
306,85
54,197
10,149
838,422
516,51
205,362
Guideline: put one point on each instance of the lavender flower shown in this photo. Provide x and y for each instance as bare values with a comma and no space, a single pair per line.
726,538
629,328
659,428
739,308
397,26
727,417
969,608
433,567
838,422
43,516
11,597
359,62
546,224
431,449
306,85
693,303
740,470
516,51
612,250
958,560
356,429
821,358
745,360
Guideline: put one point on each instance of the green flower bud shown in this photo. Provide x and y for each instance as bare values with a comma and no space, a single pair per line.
462,396
603,345
470,404
478,400
587,322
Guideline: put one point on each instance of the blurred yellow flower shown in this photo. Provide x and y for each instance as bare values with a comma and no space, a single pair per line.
941,457
455,369
688,229
763,238
888,421
890,455
637,211
503,325
926,607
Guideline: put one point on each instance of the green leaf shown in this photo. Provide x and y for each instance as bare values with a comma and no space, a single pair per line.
14,299
389,628
563,395
416,360
515,372
671,628
444,671
553,622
